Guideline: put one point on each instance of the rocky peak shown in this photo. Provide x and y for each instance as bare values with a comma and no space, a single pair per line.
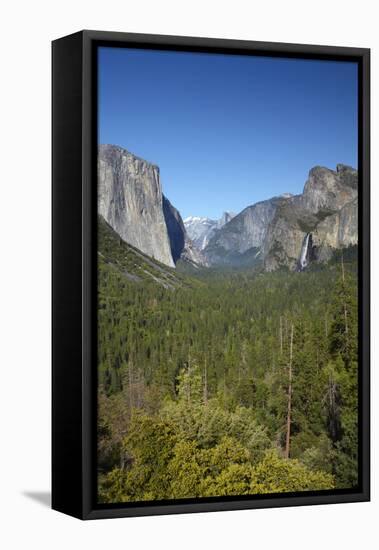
225,218
348,175
326,211
329,190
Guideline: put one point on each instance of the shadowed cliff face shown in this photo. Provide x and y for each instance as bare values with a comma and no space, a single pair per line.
130,199
175,228
182,247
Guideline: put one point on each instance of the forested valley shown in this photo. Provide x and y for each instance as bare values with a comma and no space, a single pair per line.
214,383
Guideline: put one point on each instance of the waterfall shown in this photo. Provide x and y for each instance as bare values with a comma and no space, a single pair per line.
303,262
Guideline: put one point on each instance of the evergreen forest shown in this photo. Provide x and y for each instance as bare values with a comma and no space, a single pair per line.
224,382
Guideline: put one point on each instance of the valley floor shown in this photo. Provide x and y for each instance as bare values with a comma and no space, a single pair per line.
224,383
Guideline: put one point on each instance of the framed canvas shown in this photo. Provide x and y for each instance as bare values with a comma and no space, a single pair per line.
210,275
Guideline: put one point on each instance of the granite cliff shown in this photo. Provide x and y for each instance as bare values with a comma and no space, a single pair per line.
245,233
327,210
182,247
286,231
131,201
274,232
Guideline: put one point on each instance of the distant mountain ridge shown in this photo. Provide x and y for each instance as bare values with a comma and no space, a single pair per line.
274,232
200,230
288,231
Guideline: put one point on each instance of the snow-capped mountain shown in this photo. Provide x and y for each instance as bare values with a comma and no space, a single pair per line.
200,230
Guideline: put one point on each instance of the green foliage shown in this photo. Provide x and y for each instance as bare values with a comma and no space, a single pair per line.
224,469
234,480
112,486
189,385
208,422
319,454
186,471
229,469
150,444
194,379
277,475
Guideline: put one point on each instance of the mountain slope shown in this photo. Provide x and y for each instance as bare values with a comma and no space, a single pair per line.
245,232
119,259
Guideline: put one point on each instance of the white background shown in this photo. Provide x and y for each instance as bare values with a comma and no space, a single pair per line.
27,27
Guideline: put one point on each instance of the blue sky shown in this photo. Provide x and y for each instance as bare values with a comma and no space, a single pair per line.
228,131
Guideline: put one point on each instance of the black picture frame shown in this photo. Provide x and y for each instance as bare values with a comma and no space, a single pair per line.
74,205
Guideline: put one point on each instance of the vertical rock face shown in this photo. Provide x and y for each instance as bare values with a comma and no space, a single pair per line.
287,231
175,228
130,199
245,231
337,231
325,216
182,246
328,190
327,210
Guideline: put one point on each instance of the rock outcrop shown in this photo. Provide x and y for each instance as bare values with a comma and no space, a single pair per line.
273,232
327,210
175,228
130,199
337,231
244,232
182,247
